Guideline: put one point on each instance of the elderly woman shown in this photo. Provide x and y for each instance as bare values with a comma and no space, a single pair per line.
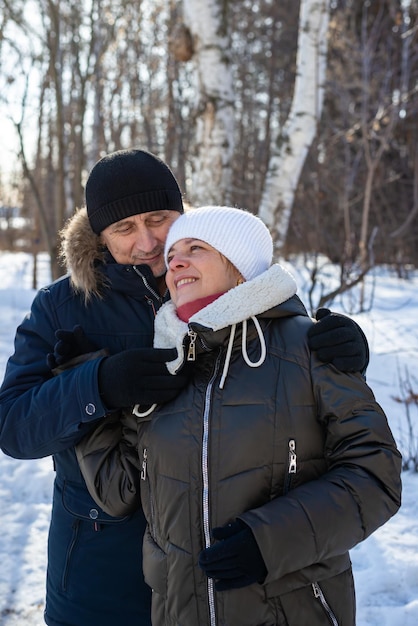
268,468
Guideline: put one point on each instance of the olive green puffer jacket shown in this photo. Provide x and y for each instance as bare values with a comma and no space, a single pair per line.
299,451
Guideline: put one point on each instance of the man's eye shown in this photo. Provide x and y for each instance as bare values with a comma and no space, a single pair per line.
156,221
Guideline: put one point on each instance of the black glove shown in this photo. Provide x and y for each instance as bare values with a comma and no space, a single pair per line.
235,561
337,339
140,376
70,344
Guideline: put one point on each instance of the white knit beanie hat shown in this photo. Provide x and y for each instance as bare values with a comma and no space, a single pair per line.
237,234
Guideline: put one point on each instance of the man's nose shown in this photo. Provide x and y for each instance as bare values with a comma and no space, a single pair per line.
145,240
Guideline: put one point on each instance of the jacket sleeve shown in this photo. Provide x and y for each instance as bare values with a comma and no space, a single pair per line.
41,414
108,459
358,493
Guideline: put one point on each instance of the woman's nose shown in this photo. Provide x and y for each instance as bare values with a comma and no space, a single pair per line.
177,261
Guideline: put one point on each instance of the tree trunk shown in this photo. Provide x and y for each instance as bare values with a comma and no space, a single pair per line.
212,171
292,142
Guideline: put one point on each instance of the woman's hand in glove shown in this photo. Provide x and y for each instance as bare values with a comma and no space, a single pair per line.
235,560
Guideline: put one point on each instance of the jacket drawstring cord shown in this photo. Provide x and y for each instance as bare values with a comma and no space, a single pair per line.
228,355
138,413
262,343
243,348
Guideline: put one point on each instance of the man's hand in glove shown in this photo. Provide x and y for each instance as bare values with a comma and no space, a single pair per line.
140,376
69,345
235,560
337,339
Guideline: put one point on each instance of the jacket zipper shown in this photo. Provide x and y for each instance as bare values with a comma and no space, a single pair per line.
144,465
291,464
320,596
147,285
68,561
205,486
191,352
144,476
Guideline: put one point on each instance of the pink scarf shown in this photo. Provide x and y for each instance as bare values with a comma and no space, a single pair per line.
185,311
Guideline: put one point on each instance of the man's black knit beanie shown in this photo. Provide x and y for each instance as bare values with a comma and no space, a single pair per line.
128,182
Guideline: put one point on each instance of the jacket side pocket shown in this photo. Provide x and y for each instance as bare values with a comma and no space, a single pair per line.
155,565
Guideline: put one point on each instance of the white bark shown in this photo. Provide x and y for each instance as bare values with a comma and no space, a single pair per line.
211,177
292,142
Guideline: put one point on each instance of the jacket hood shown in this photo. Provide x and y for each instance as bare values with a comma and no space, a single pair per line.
83,255
243,302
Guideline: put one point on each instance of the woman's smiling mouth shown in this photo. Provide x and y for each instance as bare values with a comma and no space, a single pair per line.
185,281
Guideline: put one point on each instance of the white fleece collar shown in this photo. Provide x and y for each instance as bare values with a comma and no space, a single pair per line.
247,300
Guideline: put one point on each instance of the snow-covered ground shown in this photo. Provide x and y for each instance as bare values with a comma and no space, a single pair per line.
385,565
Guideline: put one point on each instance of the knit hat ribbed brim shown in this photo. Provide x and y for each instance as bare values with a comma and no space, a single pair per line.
237,234
129,182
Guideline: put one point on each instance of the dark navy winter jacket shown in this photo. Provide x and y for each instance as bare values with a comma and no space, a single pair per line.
94,561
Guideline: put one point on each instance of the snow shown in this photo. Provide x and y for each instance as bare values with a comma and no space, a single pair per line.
385,565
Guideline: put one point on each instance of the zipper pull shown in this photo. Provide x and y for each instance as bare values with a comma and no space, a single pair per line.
191,354
144,465
292,457
150,303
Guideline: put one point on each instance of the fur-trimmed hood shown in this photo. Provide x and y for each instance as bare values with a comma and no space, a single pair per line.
243,302
83,254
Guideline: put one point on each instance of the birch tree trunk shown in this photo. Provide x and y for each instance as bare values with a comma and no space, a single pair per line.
293,140
211,165
56,68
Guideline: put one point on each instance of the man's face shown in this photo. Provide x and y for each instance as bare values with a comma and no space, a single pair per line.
140,239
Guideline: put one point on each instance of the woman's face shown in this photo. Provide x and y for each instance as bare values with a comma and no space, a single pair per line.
196,270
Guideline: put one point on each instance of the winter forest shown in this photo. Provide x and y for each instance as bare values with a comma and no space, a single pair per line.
305,113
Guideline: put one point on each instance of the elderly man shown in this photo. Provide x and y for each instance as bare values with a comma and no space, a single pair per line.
114,252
